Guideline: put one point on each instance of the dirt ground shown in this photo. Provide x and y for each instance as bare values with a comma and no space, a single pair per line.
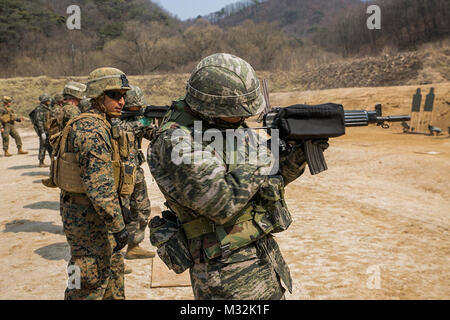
374,226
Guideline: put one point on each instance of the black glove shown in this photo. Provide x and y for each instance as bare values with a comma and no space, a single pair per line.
121,238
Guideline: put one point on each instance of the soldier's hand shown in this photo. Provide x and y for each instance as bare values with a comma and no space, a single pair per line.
121,238
322,143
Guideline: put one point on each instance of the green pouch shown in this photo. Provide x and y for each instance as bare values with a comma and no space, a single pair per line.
168,236
271,198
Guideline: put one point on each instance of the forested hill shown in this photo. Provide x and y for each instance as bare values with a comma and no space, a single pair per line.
297,17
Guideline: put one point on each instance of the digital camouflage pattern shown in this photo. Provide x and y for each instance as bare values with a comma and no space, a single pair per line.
223,85
135,98
74,89
70,111
219,192
85,105
90,219
42,113
138,202
8,127
105,79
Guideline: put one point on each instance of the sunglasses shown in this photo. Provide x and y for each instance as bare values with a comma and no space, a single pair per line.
115,95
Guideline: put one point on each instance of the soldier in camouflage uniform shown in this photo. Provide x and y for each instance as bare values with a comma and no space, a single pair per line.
84,105
228,210
73,93
42,113
93,221
138,203
7,128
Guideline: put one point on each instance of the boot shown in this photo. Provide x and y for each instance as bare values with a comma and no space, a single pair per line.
20,151
7,154
48,183
42,164
136,252
127,270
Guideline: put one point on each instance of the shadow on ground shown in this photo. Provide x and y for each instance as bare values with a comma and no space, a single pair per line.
32,226
26,166
51,205
36,173
55,251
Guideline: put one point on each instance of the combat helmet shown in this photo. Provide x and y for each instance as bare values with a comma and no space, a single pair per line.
44,98
135,98
59,98
105,79
223,85
74,89
7,99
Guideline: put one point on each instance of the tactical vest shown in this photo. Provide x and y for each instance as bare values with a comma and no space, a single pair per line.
265,213
65,171
7,117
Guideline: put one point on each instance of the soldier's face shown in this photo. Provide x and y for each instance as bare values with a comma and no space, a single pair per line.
115,106
232,119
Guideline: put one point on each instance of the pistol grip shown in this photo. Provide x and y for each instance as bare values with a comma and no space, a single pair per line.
314,157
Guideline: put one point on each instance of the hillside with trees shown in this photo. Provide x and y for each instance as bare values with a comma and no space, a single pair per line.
301,36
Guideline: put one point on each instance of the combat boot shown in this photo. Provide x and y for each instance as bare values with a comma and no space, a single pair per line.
21,151
42,164
7,154
48,183
136,252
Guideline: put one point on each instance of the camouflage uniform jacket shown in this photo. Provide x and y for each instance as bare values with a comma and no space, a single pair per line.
4,110
91,140
41,116
69,111
211,188
141,128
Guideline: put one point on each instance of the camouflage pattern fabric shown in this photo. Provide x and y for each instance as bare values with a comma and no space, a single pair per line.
85,105
41,116
69,112
9,130
90,219
220,192
138,202
223,85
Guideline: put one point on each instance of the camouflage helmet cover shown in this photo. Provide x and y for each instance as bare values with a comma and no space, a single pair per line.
7,99
105,79
75,89
59,98
135,98
44,97
223,85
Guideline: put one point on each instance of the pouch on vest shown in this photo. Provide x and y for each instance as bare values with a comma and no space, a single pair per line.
270,198
167,234
6,118
127,179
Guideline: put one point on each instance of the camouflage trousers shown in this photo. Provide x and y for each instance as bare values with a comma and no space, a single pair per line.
250,273
139,204
44,145
95,271
10,130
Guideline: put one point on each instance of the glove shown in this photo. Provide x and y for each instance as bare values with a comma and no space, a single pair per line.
43,136
121,238
322,143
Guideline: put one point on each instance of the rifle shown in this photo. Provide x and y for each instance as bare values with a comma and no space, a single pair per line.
301,124
152,112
